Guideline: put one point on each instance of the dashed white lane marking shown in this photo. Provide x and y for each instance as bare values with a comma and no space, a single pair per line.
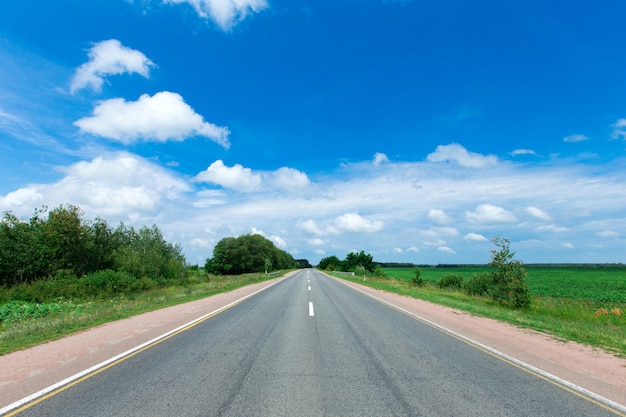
309,288
311,313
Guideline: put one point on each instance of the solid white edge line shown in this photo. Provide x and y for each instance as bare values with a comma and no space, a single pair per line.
311,312
495,352
94,368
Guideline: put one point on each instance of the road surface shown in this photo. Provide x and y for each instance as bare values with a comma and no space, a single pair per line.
311,346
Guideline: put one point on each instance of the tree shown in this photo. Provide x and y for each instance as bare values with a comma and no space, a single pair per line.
145,253
247,253
330,263
354,259
509,278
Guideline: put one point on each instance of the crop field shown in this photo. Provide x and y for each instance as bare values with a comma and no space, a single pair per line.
601,287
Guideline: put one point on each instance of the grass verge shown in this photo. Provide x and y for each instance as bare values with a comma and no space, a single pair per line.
567,319
30,324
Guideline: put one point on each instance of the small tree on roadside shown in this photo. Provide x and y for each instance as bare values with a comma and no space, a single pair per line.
417,278
509,278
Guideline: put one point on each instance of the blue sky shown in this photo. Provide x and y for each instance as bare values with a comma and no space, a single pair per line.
415,131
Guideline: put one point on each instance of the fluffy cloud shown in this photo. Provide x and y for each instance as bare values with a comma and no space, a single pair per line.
225,13
457,153
348,222
109,58
487,214
353,222
277,240
236,177
475,237
438,216
290,179
164,116
121,185
379,158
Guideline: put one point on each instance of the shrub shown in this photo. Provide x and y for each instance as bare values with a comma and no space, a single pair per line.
478,284
360,271
450,281
417,278
107,283
379,272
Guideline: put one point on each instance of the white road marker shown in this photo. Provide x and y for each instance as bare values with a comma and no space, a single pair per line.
309,288
311,314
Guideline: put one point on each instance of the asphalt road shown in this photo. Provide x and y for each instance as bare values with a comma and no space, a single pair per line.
310,346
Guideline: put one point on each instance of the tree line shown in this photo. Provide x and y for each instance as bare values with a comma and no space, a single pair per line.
62,240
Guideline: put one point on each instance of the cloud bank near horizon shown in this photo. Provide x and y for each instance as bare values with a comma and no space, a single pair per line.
427,210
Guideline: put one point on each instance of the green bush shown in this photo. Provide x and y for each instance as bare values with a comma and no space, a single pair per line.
417,278
109,283
478,284
379,272
449,280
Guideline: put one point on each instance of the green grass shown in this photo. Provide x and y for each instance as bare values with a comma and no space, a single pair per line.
586,305
26,324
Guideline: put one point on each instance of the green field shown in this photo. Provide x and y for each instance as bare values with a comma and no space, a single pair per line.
583,304
602,287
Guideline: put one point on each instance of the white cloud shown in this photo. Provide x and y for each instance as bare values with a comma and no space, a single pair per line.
379,158
121,185
488,213
523,152
162,117
413,249
109,58
316,242
353,222
278,241
575,138
475,237
290,179
236,177
446,249
23,197
568,245
225,13
538,213
438,216
457,153
397,250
